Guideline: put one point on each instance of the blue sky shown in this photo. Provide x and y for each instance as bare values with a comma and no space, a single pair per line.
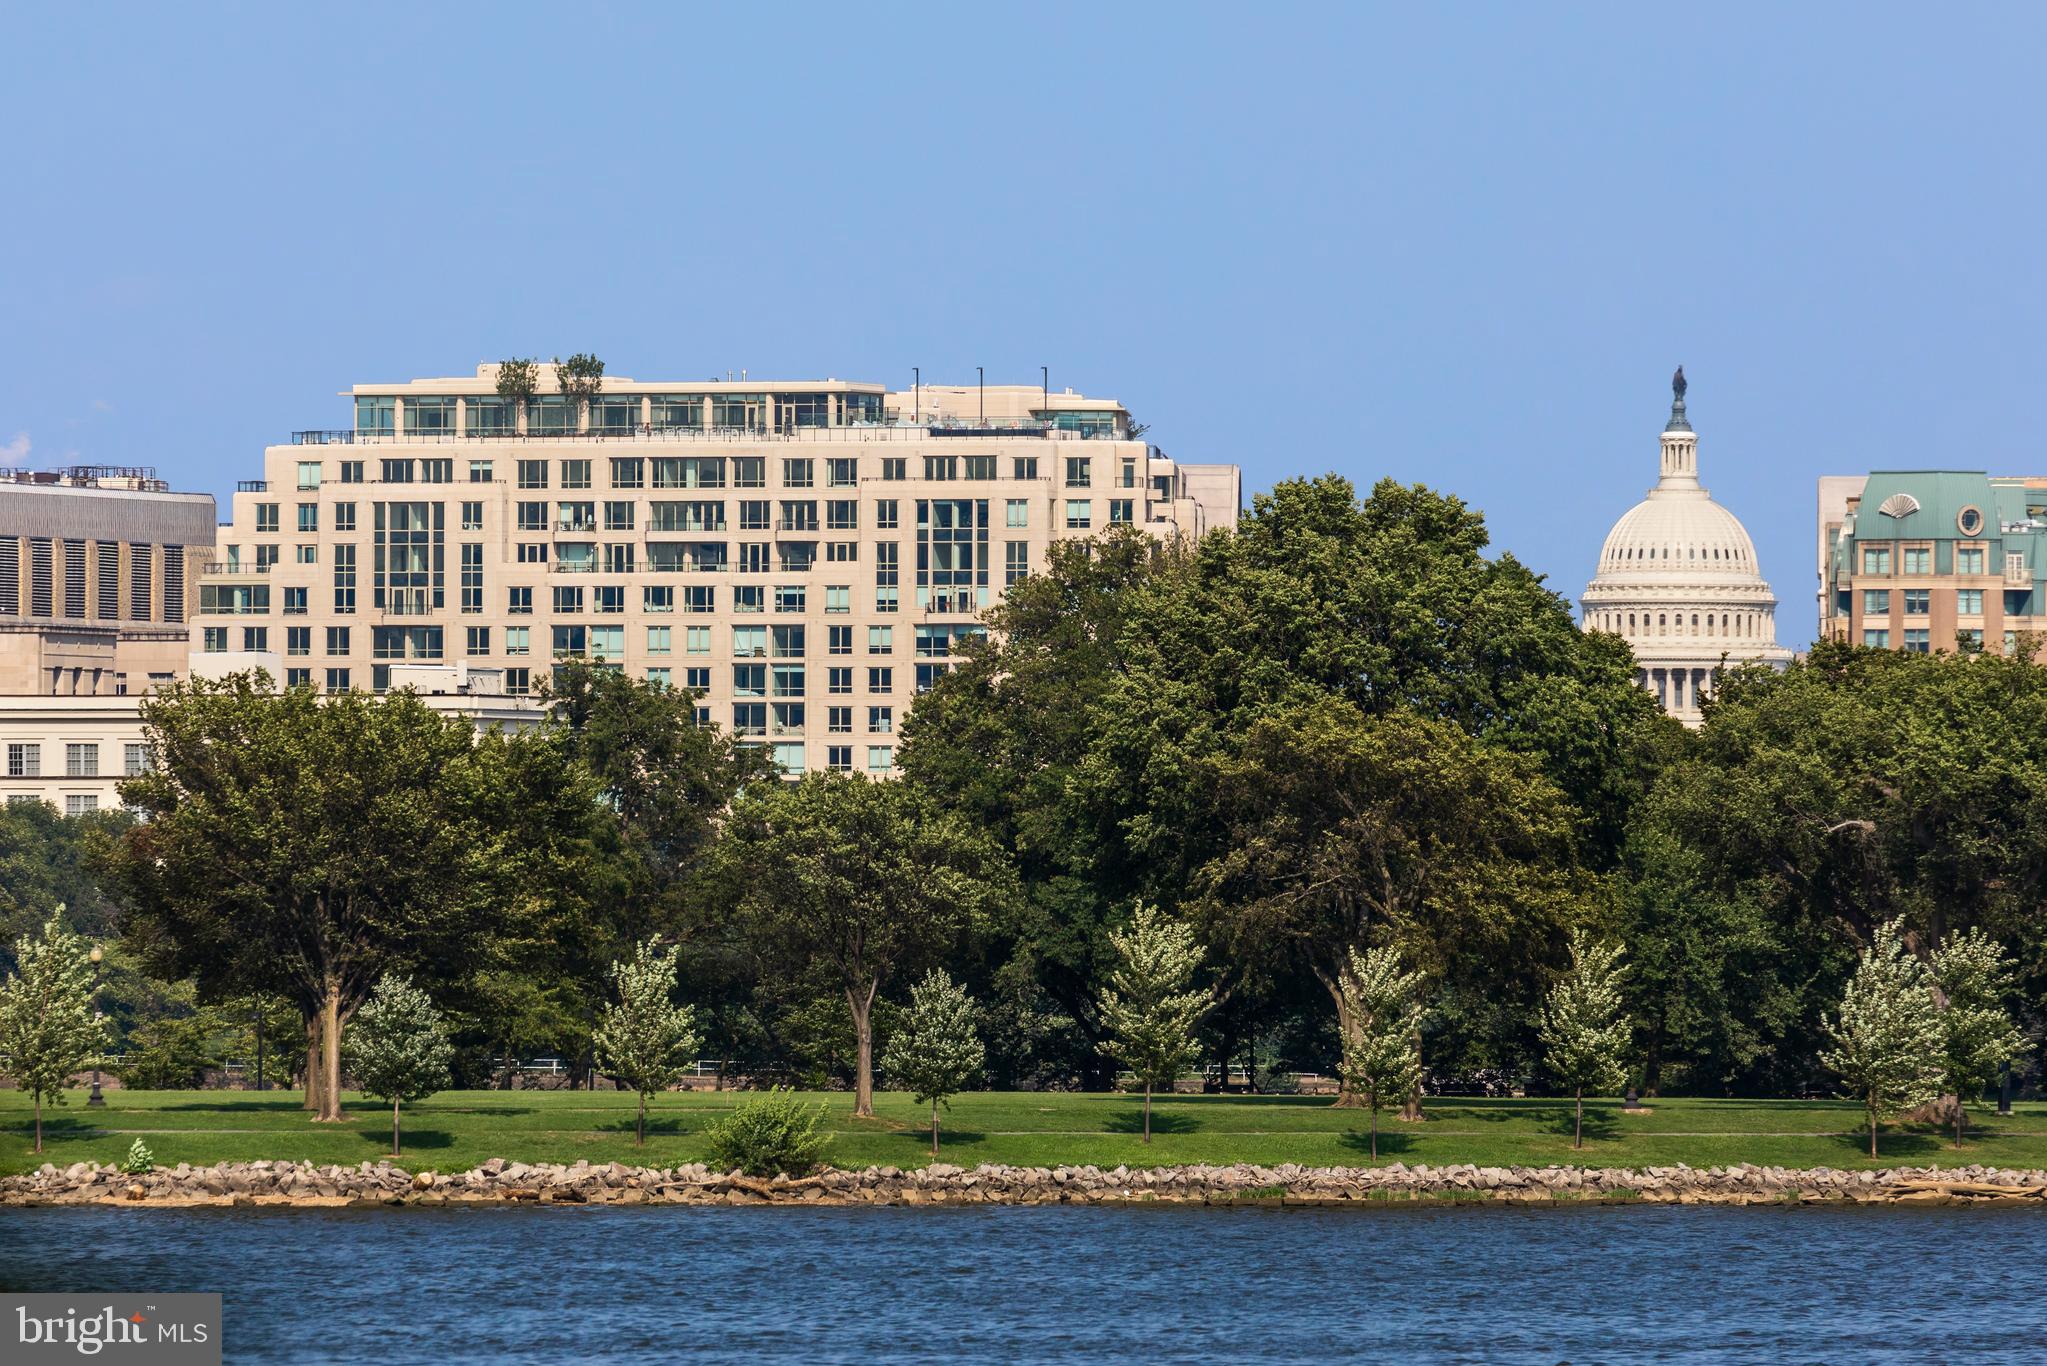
1458,244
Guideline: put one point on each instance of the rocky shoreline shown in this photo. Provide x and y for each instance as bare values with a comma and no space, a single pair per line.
498,1182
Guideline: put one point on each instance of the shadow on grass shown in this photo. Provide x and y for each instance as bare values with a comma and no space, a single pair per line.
410,1138
1162,1122
1392,1143
1219,1102
1893,1145
656,1124
1600,1121
920,1139
280,1104
59,1128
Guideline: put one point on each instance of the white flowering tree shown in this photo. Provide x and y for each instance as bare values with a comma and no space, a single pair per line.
644,1039
397,1048
48,1028
1380,1061
1150,1007
1973,976
1887,1041
1582,1029
934,1052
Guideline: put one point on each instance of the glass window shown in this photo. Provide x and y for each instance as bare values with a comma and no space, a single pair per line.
1121,511
337,640
337,680
789,597
485,415
880,758
881,640
789,757
532,474
136,758
614,413
1918,641
1079,471
839,640
24,761
309,474
1079,514
881,720
477,640
1918,560
676,410
1019,511
1881,639
82,761
842,472
518,640
479,472
344,516
1968,560
575,474
696,640
838,598
472,516
660,638
1023,467
1969,602
895,467
881,679
628,472
1918,601
80,803
1876,559
376,414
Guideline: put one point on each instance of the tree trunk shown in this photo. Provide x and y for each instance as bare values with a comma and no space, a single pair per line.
640,1133
330,1056
1375,1133
313,1073
1348,1031
39,1121
1578,1124
1872,1131
1411,1108
861,1002
394,1128
934,1127
1147,1109
1958,1121
1652,1067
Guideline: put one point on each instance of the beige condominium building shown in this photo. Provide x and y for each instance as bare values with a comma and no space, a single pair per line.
98,574
802,556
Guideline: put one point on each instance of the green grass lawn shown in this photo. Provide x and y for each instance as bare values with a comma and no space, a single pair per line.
458,1129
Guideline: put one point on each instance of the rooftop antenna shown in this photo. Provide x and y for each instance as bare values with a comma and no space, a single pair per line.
981,383
1045,387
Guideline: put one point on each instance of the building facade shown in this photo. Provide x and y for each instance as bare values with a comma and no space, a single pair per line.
1930,560
1678,580
98,580
802,556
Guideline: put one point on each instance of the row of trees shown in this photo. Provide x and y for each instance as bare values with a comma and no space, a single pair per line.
1376,781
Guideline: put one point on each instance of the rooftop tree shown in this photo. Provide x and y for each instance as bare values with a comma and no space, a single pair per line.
518,380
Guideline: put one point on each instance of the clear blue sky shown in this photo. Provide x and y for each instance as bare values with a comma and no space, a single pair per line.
1464,246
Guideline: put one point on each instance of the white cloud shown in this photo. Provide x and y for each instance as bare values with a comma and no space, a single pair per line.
15,452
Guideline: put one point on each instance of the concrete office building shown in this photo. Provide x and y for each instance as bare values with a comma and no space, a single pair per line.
801,555
1932,560
98,571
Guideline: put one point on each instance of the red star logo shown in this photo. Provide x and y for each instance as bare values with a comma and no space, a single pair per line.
137,1318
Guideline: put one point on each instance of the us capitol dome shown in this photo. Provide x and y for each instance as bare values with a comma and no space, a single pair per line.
1678,581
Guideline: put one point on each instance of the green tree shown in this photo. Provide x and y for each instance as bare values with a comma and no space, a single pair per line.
1583,1031
518,380
581,377
1150,1006
1347,829
644,1038
308,846
1379,1059
860,879
1887,1040
45,860
935,1052
1972,976
399,1050
48,1027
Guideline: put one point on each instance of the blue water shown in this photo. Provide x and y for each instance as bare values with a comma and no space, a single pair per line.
1587,1285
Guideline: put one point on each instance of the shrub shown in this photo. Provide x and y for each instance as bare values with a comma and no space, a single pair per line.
768,1134
140,1161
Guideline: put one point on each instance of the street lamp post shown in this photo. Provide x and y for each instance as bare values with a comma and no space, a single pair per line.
96,1098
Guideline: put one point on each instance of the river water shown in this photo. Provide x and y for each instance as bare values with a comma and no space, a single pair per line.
1053,1284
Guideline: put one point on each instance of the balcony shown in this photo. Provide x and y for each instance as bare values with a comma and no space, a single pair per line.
893,431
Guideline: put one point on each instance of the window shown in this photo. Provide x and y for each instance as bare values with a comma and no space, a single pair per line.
518,640
136,758
895,467
266,516
838,680
437,471
1968,559
610,598
531,516
885,514
839,758
80,803
1876,559
788,641
307,554
658,598
1079,514
309,474
479,472
351,471
618,516
785,718
1969,602
838,640
880,758
749,680
607,642
841,552
571,641
789,597
1918,601
749,471
628,472
881,679
1023,467
838,720
702,598
881,640
979,466
530,552
614,413
842,514
575,474
881,720
255,639
472,578
295,602
749,641
1120,511
477,641
472,516
568,602
376,414
697,680
405,642
660,638
344,516
489,415
790,759
696,640
838,598
532,474
1079,471
298,678
796,472
395,471
842,472
1971,638
520,603
24,761
344,579
298,640
337,680
518,682
1019,511
749,597
1918,560
337,640
82,761
677,410
787,680
1880,639
941,467
657,679
1016,561
1918,642
309,516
